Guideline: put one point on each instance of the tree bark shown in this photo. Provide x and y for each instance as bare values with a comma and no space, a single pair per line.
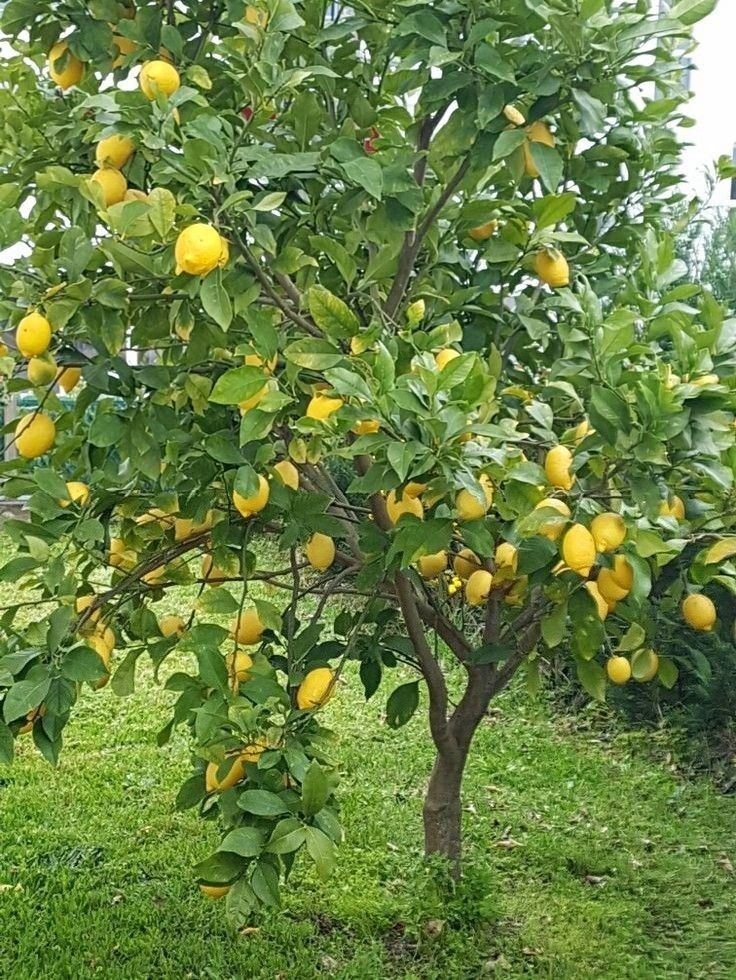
442,809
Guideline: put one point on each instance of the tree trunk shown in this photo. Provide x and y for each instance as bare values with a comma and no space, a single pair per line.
442,809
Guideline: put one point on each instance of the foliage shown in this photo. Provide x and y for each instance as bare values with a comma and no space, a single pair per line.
394,192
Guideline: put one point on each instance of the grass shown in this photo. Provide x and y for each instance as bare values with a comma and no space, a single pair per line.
586,855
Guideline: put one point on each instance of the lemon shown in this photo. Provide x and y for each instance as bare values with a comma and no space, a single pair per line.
320,551
78,493
414,489
482,233
254,400
171,626
120,555
114,151
622,572
198,249
699,612
467,505
316,689
253,752
609,587
255,360
557,467
618,670
69,378
442,358
233,772
673,508
212,573
113,184
34,435
256,17
83,602
288,474
214,891
247,506
239,664
608,530
107,637
406,505
158,76
578,549
515,595
42,370
506,558
478,587
247,628
465,563
430,566
537,132
321,407
554,528
601,605
513,115
582,430
552,268
33,335
72,70
367,427
153,577
126,46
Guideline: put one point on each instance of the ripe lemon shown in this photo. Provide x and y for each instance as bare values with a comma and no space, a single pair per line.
608,530
247,506
699,612
554,528
557,467
78,494
578,550
83,602
120,555
506,558
673,508
483,232
69,378
537,132
618,670
582,430
72,70
198,249
34,435
316,689
601,605
113,184
321,407
465,563
214,891
233,772
288,473
42,370
467,505
367,427
478,587
430,566
513,115
247,628
171,626
256,17
33,335
114,151
552,268
255,360
126,46
396,508
622,572
254,400
158,76
320,551
107,637
414,489
609,587
442,358
212,573
153,577
239,664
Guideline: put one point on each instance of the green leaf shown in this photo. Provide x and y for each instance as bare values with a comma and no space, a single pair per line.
608,413
402,704
262,803
26,695
667,673
593,678
245,841
549,164
321,850
217,602
315,789
366,173
7,745
220,868
507,142
123,680
535,553
215,299
691,11
269,202
313,354
237,385
553,208
287,837
554,625
162,211
492,653
331,314
212,668
83,664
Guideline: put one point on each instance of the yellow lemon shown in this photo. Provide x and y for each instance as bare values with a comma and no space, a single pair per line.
601,605
320,551
537,132
609,587
430,566
553,529
396,508
114,151
197,250
367,427
478,587
255,360
578,549
608,530
321,407
214,891
72,70
622,572
256,17
247,628
513,115
113,184
247,506
254,400
618,670
224,256
467,505
239,664
83,602
33,335
552,268
673,508
233,772
288,474
120,555
414,489
442,358
557,467
171,626
34,435
483,232
699,612
78,494
158,76
69,378
506,557
465,563
42,370
582,430
316,689
126,46
253,752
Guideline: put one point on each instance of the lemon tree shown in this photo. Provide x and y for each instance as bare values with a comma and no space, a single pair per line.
375,333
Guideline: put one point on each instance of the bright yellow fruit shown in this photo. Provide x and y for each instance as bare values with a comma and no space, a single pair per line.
33,335
320,551
582,430
34,435
406,505
578,549
618,670
214,891
114,151
442,358
288,474
554,529
609,588
78,494
673,508
414,489
113,184
247,506
367,427
538,132
121,556
171,626
255,360
42,370
513,115
69,378
73,68
622,572
321,407
126,46
316,689
552,268
239,664
699,612
107,637
247,628
430,566
608,530
231,776
465,563
198,249
254,400
253,752
212,573
158,76
483,232
467,505
557,467
478,587
83,602
602,607
224,252
506,558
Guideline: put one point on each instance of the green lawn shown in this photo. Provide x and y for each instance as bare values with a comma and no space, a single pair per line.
586,856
